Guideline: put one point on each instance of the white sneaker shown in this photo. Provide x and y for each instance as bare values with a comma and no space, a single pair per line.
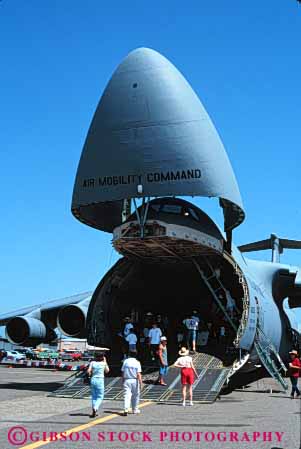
190,403
136,411
184,404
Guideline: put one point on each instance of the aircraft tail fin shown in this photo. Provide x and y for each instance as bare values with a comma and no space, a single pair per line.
276,244
290,244
255,246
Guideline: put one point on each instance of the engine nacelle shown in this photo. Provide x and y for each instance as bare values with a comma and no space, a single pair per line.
71,319
23,330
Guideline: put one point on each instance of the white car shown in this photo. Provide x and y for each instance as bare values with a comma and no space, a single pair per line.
15,355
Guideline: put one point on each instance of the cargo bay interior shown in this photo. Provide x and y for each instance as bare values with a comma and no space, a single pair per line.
175,290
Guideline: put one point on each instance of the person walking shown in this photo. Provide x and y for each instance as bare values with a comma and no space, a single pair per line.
154,337
163,363
144,342
132,340
295,367
96,372
188,373
132,383
222,335
231,306
128,325
191,324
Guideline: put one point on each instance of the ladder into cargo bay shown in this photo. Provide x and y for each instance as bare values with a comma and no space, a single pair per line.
270,358
215,286
266,351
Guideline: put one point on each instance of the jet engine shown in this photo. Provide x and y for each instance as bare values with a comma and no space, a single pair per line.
27,330
71,319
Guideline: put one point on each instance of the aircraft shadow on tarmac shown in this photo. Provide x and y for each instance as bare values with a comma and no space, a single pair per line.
31,386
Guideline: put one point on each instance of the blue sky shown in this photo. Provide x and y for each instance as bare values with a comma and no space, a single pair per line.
242,59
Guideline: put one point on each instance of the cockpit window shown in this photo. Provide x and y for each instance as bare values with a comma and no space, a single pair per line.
156,207
193,214
171,208
178,209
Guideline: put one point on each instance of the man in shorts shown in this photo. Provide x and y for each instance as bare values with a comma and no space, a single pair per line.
163,363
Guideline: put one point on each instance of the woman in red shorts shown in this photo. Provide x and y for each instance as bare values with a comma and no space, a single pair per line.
188,372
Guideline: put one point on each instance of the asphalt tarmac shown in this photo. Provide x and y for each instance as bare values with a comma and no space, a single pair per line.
252,418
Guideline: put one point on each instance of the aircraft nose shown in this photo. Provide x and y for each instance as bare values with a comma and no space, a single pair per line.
150,135
142,58
146,89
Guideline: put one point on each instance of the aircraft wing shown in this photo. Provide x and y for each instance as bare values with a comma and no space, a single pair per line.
46,308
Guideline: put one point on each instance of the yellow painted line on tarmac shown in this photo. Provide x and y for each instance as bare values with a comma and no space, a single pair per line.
77,429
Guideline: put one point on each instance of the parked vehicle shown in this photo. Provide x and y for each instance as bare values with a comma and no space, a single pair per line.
15,355
76,355
69,354
29,353
3,354
66,356
86,356
47,355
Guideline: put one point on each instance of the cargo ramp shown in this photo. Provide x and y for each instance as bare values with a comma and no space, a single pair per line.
212,377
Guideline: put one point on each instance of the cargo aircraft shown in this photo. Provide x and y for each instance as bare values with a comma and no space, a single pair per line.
150,147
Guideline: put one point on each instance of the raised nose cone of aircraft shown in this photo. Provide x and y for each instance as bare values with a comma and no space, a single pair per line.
150,136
